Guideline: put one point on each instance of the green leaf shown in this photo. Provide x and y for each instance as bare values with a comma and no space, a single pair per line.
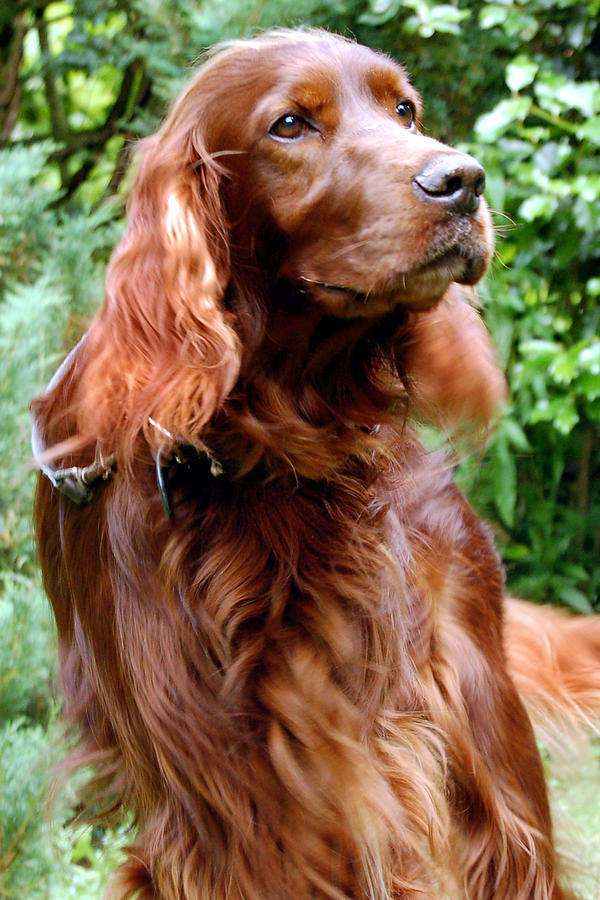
575,599
521,25
495,189
504,477
431,18
517,552
539,350
590,131
560,411
490,126
447,18
82,849
583,96
515,435
379,12
588,384
593,287
564,367
589,358
566,416
587,187
538,207
491,15
520,73
551,156
555,92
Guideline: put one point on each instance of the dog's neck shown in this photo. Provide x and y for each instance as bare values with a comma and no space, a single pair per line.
311,396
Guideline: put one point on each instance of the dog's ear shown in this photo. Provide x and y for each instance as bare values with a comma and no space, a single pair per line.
450,366
163,346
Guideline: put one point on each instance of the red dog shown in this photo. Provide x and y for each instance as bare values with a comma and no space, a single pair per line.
280,623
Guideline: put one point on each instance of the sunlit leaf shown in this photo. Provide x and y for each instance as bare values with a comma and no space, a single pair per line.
491,125
538,207
520,73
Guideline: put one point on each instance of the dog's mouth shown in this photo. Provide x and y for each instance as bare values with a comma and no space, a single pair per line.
418,289
458,263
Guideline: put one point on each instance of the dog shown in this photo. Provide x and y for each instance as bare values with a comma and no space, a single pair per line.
282,633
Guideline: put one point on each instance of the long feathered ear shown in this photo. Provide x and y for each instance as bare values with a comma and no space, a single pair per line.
450,366
163,346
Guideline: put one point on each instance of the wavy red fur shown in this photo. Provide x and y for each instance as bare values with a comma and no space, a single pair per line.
298,682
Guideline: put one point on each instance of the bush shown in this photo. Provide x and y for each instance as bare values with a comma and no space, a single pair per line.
540,147
51,266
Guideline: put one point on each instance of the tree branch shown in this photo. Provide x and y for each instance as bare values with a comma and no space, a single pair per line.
77,178
133,86
121,166
10,92
56,105
134,90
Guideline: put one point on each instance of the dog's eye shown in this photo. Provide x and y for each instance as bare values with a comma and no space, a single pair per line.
290,127
406,113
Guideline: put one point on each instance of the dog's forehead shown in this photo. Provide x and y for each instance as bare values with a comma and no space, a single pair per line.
327,66
320,74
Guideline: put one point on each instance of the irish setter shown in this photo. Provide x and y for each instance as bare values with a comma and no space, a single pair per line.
280,623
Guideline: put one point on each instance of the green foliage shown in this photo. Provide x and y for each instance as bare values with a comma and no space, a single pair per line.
50,278
24,206
26,650
427,18
540,148
88,856
21,373
51,268
22,789
39,862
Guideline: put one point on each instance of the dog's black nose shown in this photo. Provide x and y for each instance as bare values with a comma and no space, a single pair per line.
453,179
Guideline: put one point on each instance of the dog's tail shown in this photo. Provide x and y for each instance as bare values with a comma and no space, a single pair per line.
554,659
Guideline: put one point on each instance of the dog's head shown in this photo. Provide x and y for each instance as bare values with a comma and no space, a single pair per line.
322,169
290,174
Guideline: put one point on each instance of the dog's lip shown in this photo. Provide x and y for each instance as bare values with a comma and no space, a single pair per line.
454,263
469,257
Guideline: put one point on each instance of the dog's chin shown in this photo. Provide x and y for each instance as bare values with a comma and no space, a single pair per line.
418,290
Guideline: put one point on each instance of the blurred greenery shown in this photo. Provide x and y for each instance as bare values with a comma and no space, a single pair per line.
515,83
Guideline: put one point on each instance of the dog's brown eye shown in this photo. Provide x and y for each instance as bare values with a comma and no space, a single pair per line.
290,127
406,113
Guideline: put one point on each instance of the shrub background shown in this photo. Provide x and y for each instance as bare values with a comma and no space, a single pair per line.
515,83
